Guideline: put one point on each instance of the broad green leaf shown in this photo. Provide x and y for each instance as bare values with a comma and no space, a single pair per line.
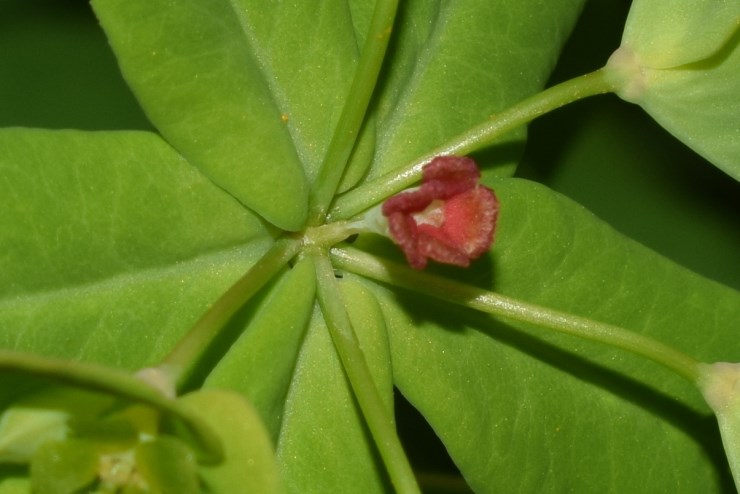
249,460
455,64
202,84
681,64
261,362
112,244
582,417
324,445
680,32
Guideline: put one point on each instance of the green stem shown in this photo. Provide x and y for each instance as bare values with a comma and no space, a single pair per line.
376,415
367,265
103,379
370,193
354,110
182,360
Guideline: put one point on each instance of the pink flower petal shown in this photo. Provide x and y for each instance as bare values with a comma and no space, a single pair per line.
450,218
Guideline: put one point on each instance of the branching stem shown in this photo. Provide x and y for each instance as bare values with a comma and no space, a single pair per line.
374,191
182,360
367,265
353,113
377,416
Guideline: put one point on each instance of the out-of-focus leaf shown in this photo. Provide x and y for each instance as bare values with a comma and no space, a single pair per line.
63,467
720,385
167,465
249,459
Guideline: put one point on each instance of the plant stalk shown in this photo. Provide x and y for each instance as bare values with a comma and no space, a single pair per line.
353,113
181,361
372,192
376,415
367,265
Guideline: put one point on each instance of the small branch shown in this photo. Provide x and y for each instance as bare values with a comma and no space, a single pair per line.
181,361
353,113
370,193
376,415
367,265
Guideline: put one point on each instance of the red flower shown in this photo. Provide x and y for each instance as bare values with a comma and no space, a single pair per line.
450,218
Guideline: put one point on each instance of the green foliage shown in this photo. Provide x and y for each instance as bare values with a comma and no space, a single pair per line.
516,394
114,243
683,72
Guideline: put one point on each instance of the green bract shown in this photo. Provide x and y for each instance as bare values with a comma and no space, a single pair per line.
679,61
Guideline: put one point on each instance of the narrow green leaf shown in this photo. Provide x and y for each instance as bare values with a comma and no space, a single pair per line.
203,82
112,244
569,407
323,429
720,386
261,362
249,460
681,63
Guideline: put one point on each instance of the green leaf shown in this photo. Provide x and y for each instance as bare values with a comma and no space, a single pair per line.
43,416
569,407
261,362
720,385
235,88
680,32
455,64
681,64
323,429
63,467
249,460
167,465
112,244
